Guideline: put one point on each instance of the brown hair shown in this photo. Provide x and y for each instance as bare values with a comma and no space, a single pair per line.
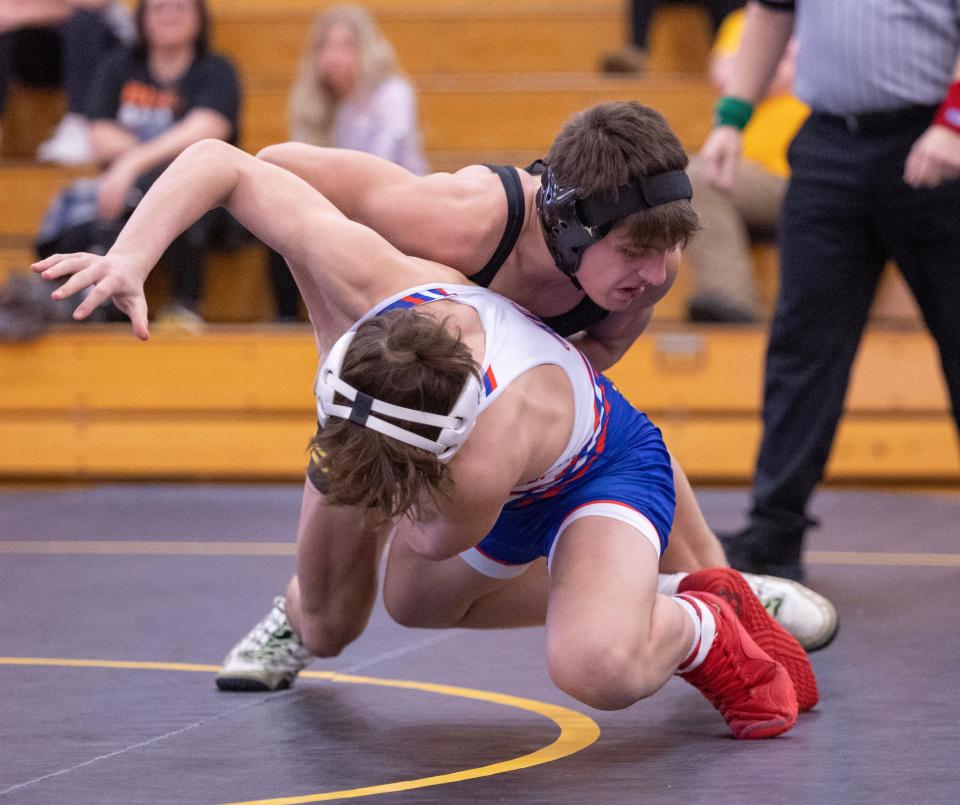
606,146
407,358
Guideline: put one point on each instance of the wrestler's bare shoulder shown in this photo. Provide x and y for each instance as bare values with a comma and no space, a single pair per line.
453,218
472,185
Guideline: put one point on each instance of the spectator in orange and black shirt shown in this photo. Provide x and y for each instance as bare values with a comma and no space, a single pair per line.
148,104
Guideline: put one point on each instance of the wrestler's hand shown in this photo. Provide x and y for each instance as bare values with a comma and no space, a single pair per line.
107,277
720,156
934,158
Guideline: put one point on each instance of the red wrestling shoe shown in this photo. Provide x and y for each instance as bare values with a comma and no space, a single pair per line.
766,632
753,693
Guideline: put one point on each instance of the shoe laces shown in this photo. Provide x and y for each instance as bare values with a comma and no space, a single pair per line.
273,636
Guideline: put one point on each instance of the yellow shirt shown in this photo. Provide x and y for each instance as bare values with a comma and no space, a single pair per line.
775,119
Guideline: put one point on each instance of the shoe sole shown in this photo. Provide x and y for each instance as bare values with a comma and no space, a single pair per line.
769,635
242,684
774,726
826,635
768,729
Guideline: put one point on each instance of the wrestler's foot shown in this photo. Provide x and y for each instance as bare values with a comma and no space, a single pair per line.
753,693
770,636
268,658
806,614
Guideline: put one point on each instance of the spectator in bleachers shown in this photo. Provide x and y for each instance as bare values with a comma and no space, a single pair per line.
633,56
53,43
148,103
719,254
349,93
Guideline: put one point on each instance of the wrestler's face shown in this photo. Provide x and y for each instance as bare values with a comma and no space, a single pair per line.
615,271
338,60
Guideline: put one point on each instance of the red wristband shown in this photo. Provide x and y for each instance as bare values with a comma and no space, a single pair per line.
949,112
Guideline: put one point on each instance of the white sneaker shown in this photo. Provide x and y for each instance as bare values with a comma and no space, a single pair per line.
70,142
268,658
807,615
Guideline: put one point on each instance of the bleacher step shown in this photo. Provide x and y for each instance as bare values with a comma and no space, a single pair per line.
234,402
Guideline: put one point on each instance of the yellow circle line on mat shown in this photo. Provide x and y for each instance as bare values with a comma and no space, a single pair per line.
577,731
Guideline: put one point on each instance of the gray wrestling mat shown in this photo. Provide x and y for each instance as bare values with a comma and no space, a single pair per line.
153,584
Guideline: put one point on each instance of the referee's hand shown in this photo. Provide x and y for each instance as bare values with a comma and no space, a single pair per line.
934,158
720,156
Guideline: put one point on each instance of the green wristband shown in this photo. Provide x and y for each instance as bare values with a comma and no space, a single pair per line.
731,111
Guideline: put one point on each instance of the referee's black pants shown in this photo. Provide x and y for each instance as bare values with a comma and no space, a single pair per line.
847,210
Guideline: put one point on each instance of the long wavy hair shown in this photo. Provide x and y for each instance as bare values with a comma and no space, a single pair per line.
313,106
410,359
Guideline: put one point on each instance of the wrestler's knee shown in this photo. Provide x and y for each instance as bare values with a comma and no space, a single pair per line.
407,606
404,613
603,675
326,635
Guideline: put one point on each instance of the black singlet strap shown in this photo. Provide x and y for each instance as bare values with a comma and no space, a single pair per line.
587,312
515,214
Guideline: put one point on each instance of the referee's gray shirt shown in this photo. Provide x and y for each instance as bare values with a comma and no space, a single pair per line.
873,55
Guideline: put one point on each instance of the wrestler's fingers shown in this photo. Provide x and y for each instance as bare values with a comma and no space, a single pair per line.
81,278
68,264
49,262
59,264
138,318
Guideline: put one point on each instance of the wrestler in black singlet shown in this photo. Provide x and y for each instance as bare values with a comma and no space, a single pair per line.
585,313
581,316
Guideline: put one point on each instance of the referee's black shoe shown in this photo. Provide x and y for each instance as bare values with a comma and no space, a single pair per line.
760,550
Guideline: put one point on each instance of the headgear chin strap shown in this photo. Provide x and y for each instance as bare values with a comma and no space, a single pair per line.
572,223
455,426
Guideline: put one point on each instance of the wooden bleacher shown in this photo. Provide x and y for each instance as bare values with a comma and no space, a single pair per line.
496,78
510,115
93,402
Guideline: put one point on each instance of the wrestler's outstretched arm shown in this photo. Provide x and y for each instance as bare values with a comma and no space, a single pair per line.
339,265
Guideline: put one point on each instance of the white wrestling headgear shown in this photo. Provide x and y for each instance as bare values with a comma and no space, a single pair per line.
455,426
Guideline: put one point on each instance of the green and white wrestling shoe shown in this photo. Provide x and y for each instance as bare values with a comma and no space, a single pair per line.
268,658
807,615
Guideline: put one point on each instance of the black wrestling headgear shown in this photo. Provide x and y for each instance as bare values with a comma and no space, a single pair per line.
572,223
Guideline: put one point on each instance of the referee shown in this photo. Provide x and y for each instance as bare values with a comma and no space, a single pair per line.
874,176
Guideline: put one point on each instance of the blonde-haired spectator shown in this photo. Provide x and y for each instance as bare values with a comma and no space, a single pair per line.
349,93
